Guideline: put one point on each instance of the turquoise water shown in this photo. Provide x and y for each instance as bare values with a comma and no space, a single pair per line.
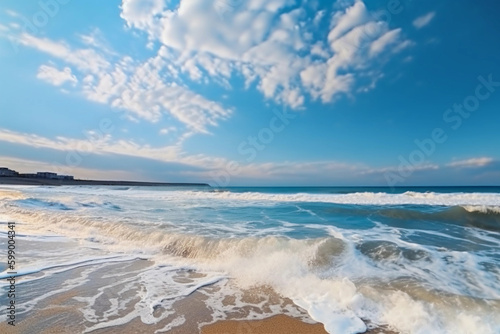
419,260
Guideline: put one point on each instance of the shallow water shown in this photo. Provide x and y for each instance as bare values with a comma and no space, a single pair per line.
420,260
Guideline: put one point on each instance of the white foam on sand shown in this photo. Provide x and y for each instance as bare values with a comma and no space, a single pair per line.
340,279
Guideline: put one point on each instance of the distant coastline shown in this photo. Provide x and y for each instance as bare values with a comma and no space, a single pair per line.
48,182
12,177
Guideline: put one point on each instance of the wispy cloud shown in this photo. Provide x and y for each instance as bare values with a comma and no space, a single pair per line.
423,20
168,130
97,40
122,83
471,163
214,169
107,146
396,169
104,145
30,166
203,167
384,41
56,77
87,60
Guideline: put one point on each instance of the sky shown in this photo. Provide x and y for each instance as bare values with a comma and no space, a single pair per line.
257,92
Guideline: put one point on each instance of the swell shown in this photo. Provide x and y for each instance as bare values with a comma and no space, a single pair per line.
360,198
481,217
486,218
125,236
39,203
304,270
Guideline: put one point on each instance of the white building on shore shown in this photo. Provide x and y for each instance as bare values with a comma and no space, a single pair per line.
53,176
4,171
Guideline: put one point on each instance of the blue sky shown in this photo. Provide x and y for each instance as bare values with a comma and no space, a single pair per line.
233,92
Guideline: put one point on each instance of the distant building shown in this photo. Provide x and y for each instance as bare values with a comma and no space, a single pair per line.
7,172
4,171
47,175
53,176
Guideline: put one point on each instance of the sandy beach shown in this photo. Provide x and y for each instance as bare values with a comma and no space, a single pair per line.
279,324
153,260
64,312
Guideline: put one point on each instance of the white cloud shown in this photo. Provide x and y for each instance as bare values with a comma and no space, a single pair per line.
471,163
11,13
319,50
168,130
397,170
143,91
100,146
384,41
141,13
137,88
269,42
342,22
423,20
84,59
97,40
172,154
31,166
55,77
319,17
207,167
106,145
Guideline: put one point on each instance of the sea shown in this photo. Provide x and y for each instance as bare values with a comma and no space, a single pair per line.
409,260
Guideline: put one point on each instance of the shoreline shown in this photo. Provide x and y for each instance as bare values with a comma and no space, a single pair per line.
9,180
277,324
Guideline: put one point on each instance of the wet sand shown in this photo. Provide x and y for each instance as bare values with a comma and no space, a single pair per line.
279,324
62,313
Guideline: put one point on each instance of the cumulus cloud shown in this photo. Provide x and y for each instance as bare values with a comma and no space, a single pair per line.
423,20
274,44
141,13
136,87
142,90
55,77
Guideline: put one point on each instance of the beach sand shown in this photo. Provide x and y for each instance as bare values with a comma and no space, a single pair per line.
279,324
62,313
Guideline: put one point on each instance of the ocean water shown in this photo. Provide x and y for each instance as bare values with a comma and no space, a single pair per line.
417,260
